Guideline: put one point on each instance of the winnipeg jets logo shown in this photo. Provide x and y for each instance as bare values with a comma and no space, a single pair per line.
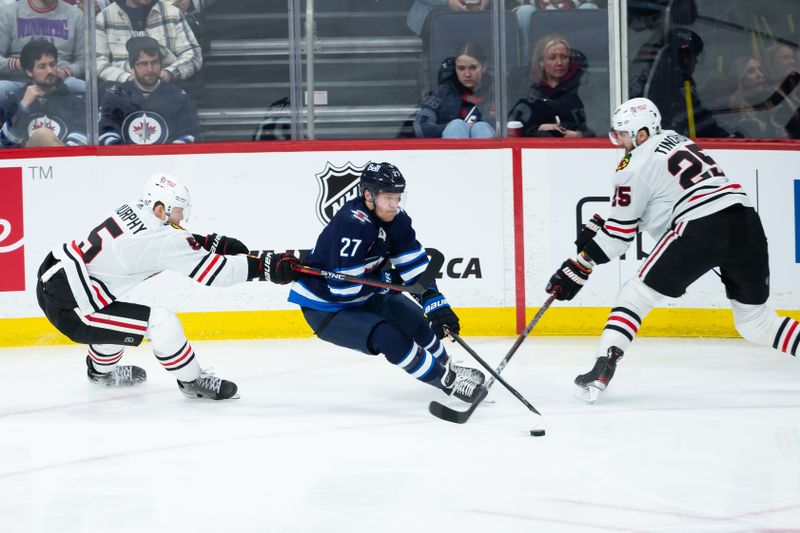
381,234
145,127
41,121
360,215
337,185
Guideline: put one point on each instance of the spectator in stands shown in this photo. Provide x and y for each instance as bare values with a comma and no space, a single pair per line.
780,60
657,17
44,104
462,107
187,6
55,20
751,90
158,19
146,110
666,85
552,107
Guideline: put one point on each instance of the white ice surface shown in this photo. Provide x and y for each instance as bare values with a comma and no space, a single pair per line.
691,436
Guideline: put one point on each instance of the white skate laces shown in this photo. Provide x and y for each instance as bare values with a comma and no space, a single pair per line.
207,380
472,374
123,374
118,376
460,384
208,386
464,388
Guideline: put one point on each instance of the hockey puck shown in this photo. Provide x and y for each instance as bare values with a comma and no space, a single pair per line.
537,433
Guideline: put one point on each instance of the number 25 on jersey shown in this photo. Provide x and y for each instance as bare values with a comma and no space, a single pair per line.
622,196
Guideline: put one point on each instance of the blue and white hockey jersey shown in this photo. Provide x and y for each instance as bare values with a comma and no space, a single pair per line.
357,243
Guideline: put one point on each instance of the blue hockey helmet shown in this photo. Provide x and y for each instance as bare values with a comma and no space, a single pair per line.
381,177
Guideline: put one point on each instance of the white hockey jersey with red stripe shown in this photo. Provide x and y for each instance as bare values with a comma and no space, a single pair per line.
131,245
659,186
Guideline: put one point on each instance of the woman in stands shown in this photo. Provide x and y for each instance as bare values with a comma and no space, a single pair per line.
462,107
552,107
752,89
780,62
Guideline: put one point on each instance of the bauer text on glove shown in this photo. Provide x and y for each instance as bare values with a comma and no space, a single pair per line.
439,313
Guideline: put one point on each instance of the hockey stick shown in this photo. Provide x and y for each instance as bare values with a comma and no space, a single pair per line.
419,287
787,86
459,417
495,375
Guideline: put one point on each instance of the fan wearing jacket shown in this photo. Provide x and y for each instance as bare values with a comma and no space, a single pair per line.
462,107
552,107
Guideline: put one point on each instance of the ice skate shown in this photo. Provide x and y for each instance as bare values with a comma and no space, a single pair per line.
462,386
209,386
120,376
591,384
473,374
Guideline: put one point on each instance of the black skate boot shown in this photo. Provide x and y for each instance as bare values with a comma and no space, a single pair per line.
209,386
461,386
121,376
591,384
473,374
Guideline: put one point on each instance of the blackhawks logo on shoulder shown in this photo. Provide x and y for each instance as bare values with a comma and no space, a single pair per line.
337,185
624,162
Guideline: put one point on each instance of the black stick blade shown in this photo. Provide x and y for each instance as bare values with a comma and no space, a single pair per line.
456,417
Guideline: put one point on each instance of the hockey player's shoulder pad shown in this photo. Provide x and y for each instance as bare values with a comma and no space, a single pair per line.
624,162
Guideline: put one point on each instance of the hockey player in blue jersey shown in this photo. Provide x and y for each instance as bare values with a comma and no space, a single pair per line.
366,236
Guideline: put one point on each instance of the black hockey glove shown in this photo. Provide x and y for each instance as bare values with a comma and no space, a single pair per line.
439,313
278,267
568,280
222,245
589,230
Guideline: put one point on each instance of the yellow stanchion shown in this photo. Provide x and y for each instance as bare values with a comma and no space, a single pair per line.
687,92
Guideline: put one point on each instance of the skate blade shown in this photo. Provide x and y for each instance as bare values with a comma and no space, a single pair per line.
195,396
588,394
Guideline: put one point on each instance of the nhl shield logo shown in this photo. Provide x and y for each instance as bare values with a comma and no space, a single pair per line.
145,127
52,123
337,185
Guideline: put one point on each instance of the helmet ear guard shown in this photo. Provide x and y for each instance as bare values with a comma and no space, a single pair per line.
633,116
167,190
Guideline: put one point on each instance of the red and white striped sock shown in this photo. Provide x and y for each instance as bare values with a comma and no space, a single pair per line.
787,340
105,357
181,363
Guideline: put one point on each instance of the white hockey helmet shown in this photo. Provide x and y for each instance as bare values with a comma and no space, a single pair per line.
168,190
632,116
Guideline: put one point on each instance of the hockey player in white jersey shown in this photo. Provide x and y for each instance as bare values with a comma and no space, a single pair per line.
667,186
80,281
